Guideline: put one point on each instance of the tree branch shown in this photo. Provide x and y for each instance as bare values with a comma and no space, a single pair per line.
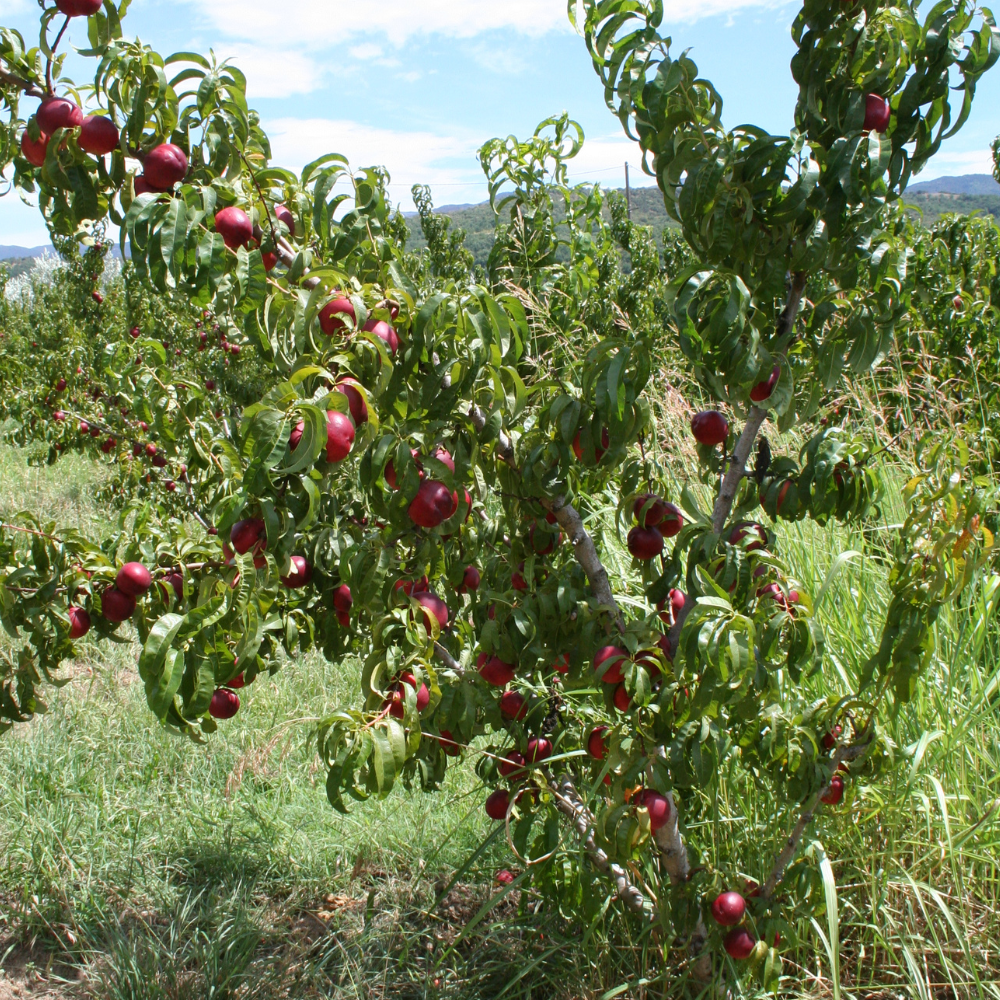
448,660
807,816
570,804
31,89
741,453
586,555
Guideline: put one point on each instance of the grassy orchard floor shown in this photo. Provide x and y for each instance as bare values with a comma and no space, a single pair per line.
135,865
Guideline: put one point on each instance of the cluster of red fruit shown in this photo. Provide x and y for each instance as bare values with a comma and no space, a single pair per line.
728,910
656,520
97,135
334,315
434,503
610,664
655,804
514,767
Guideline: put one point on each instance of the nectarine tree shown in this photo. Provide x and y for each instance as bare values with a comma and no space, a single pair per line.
414,478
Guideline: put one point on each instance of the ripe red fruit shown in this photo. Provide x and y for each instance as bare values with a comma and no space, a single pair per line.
517,580
622,699
84,427
344,619
173,581
58,112
300,574
494,671
658,807
246,534
296,436
34,150
617,658
470,580
433,605
645,543
747,529
504,877
673,521
498,804
655,510
432,504
283,214
142,186
79,8
339,436
164,167
412,586
561,666
342,599
159,461
877,113
60,385
170,486
728,909
59,416
957,303
543,542
134,579
763,390
539,749
390,470
448,744
79,622
355,401
512,765
98,135
599,450
384,332
237,682
835,792
596,746
444,457
224,705
270,260
739,943
830,739
331,315
116,606
99,299
513,705
710,428
234,226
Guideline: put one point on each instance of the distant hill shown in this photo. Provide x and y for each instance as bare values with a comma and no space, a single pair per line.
974,184
479,222
20,252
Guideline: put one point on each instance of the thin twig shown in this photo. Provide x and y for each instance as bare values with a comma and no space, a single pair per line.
52,54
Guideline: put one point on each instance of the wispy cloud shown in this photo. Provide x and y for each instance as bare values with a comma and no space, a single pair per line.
326,23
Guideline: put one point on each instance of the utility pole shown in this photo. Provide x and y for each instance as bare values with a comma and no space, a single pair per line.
628,192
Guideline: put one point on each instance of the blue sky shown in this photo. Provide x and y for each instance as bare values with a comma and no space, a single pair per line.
418,85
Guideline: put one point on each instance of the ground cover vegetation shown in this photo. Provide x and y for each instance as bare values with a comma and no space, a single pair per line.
708,707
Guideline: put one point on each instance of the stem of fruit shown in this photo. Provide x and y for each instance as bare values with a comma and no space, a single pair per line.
570,804
52,54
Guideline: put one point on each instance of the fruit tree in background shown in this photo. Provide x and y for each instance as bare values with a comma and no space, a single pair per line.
339,444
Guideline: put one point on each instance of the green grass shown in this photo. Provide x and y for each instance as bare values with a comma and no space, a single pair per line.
135,865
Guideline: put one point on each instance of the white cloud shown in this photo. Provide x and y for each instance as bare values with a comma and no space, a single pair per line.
695,10
953,162
273,72
322,23
447,163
